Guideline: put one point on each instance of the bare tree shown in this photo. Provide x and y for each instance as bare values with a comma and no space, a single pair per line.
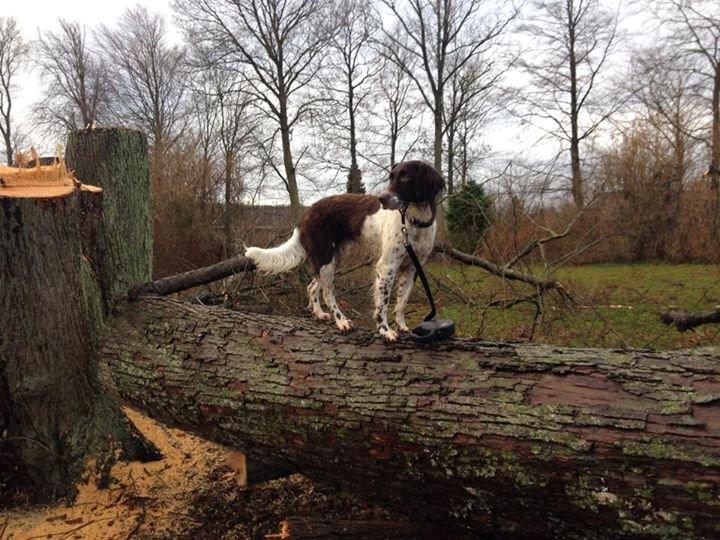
576,39
666,88
467,104
276,47
441,36
469,124
392,119
75,91
235,130
348,77
149,77
700,22
204,123
13,53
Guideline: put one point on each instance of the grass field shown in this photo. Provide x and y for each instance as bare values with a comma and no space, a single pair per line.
614,305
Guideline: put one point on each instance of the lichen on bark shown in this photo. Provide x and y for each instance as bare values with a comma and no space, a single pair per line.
513,440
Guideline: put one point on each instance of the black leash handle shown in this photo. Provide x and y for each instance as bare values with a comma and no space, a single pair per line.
413,257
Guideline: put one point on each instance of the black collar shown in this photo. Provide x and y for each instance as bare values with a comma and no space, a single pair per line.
417,222
422,224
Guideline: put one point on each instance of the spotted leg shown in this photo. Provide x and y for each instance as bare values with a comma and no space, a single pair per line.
404,288
326,278
314,291
383,287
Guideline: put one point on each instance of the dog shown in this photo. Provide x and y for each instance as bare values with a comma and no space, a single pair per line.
335,224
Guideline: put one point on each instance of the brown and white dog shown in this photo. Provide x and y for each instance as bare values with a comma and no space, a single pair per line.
334,224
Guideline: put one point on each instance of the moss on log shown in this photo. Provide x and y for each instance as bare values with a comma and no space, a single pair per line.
53,411
508,440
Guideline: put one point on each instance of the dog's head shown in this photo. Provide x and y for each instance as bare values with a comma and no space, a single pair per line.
412,182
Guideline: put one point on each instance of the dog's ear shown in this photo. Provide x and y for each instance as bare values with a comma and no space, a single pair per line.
439,185
433,182
400,172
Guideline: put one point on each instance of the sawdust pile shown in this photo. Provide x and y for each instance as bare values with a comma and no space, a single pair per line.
197,491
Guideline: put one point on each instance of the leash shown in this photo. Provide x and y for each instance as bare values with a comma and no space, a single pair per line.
418,267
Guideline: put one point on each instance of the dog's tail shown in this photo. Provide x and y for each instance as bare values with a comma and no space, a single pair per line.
278,259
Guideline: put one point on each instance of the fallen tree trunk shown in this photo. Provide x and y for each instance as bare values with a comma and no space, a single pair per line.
193,278
511,440
687,320
505,272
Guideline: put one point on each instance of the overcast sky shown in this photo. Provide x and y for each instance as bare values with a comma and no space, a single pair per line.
34,15
507,138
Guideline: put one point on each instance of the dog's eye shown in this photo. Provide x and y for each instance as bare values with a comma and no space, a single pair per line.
404,178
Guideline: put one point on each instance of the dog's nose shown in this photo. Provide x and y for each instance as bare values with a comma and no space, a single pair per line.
389,200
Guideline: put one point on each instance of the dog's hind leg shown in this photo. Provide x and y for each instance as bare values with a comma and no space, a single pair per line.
326,278
314,291
404,288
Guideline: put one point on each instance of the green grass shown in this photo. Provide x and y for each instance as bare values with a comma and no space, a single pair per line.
614,305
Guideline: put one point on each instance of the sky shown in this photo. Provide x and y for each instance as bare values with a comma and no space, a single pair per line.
508,139
34,15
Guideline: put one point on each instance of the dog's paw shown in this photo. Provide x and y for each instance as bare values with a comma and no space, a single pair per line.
402,327
389,336
322,316
345,325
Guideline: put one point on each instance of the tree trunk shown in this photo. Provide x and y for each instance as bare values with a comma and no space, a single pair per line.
227,225
354,184
291,178
437,131
577,183
8,149
508,440
117,161
450,180
688,320
53,411
715,150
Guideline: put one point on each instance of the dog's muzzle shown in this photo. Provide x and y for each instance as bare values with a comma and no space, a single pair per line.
390,201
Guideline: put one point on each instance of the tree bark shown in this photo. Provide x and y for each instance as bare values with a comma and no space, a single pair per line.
450,178
117,161
577,182
193,278
288,163
53,411
505,272
687,320
227,216
714,170
354,184
508,440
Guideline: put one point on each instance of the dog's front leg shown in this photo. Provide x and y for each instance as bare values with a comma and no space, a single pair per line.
386,272
404,288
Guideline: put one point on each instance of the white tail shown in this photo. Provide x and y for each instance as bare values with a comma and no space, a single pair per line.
278,259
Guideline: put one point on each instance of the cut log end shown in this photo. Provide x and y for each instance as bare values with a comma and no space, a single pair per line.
40,182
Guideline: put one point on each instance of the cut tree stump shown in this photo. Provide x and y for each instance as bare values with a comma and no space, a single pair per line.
523,441
53,410
117,161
